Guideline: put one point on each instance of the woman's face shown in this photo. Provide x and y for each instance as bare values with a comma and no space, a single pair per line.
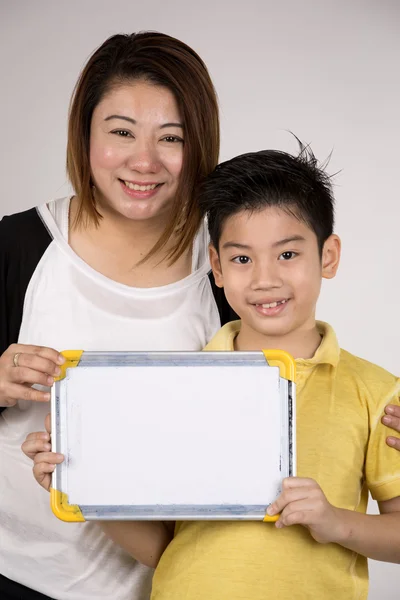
136,151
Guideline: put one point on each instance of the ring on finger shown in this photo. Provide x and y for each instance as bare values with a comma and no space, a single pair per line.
16,359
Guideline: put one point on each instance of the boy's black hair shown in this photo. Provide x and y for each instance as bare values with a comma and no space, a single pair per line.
253,181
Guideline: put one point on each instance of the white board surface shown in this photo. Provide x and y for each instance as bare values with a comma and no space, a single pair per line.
178,435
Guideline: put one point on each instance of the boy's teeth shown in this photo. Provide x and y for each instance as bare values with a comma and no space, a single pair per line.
140,188
273,304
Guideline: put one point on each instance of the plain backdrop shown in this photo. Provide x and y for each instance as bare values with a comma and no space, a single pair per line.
328,71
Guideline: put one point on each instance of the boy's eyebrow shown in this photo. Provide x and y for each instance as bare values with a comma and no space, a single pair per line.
236,245
134,122
292,238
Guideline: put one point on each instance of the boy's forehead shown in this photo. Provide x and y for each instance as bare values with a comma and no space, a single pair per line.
267,225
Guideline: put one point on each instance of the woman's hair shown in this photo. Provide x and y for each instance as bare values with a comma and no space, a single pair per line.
163,60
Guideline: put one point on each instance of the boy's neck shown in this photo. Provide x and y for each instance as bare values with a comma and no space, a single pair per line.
301,343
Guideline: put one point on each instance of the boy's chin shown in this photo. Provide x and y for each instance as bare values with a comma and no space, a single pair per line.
274,327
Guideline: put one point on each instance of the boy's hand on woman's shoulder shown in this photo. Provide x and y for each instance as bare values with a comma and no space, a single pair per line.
302,502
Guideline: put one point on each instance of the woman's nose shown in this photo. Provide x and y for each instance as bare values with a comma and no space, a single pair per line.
143,158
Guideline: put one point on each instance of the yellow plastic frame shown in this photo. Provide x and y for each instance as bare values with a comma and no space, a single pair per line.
72,358
287,370
70,513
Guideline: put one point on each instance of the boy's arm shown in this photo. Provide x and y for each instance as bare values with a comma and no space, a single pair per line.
302,502
144,540
374,536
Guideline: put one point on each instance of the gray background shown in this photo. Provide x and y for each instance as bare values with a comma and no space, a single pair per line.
328,71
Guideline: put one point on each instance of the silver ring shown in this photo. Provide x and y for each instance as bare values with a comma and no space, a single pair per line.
16,359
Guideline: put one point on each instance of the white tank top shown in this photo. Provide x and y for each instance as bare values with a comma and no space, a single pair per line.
70,305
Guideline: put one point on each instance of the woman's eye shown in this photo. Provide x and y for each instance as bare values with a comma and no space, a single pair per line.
171,139
241,260
121,132
287,255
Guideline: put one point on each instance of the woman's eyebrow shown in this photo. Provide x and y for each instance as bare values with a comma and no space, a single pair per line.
171,125
121,117
134,122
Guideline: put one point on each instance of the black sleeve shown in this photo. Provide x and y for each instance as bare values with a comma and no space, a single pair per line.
23,241
226,313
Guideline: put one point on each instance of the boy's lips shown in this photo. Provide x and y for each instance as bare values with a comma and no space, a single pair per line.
271,302
270,307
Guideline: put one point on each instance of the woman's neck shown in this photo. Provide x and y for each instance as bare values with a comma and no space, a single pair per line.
117,245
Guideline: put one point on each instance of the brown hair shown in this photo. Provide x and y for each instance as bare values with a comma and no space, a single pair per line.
165,61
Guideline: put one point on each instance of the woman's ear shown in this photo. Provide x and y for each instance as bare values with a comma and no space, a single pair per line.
216,266
331,256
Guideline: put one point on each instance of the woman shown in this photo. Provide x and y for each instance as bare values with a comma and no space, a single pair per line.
122,265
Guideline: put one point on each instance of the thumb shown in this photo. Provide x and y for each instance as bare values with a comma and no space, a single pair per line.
47,423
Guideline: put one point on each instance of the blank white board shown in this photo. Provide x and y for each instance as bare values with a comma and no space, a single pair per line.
173,435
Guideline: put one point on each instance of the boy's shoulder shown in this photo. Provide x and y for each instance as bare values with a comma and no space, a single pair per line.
369,378
224,338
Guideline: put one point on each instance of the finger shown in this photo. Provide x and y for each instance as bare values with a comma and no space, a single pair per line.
289,496
50,458
35,362
298,482
393,442
38,435
42,351
296,513
27,375
31,447
392,409
42,473
47,423
392,422
13,391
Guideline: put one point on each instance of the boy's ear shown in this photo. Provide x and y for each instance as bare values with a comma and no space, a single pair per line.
331,256
216,266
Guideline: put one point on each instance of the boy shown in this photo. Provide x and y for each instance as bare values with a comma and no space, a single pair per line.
270,218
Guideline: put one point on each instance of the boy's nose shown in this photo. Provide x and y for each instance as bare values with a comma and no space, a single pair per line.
266,277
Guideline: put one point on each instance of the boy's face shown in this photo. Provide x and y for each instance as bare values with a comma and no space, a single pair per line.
271,269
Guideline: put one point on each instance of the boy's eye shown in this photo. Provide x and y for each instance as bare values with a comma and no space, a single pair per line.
287,255
241,260
121,132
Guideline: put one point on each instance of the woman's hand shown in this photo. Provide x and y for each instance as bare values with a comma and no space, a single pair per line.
21,367
37,447
392,419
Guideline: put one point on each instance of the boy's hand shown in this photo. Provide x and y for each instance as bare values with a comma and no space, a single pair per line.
302,502
37,447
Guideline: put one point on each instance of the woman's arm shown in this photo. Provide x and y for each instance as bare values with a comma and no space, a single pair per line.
144,540
391,419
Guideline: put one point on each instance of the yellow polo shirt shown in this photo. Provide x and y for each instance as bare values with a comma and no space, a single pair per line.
340,444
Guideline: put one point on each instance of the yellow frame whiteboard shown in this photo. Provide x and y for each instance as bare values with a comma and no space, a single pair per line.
220,434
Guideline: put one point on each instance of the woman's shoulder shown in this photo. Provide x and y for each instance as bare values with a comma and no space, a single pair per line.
22,230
